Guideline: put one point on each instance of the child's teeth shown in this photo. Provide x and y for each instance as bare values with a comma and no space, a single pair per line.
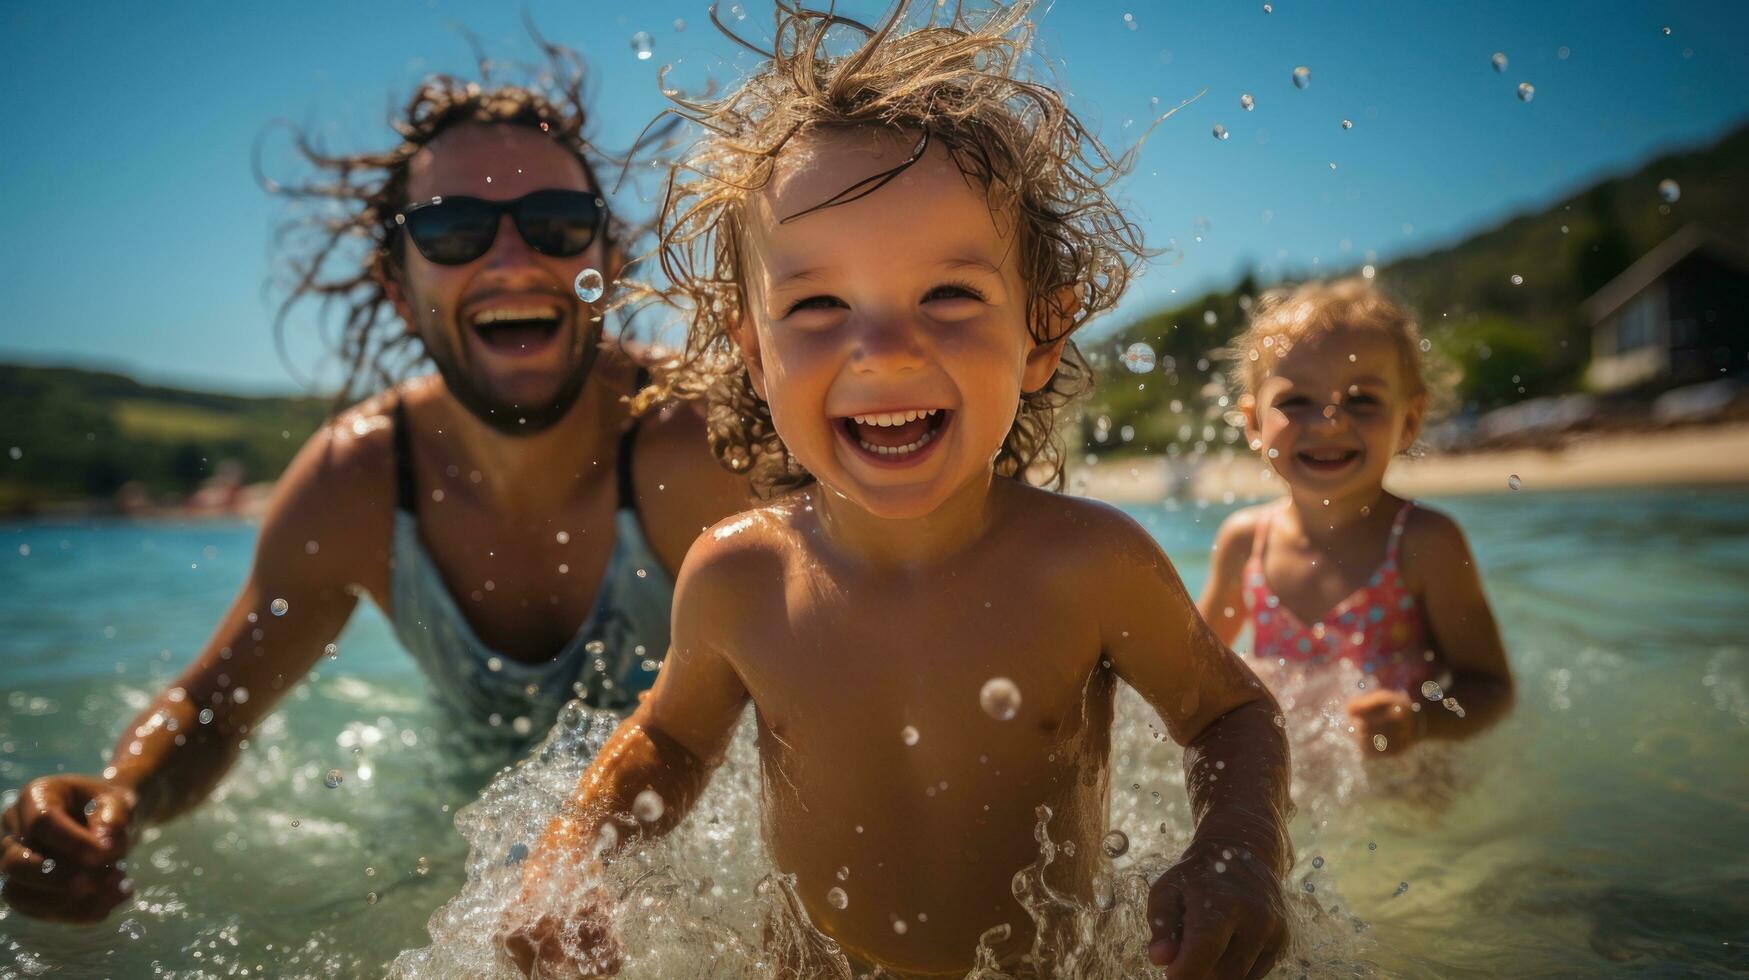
887,419
909,447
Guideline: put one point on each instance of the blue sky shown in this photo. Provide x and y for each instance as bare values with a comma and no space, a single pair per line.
135,238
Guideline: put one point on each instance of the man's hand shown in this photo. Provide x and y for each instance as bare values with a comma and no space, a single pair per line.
1218,912
60,846
1385,722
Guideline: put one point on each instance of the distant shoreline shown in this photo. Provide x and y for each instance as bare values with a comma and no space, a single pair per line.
1693,456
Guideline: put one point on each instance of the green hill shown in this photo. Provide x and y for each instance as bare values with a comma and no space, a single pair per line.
68,435
1509,341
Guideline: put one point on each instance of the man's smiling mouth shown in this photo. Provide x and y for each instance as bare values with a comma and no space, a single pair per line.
514,330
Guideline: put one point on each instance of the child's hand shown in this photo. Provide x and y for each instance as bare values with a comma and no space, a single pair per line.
1387,715
1218,912
540,947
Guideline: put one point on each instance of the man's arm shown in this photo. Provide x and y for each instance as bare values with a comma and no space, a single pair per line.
314,541
1218,911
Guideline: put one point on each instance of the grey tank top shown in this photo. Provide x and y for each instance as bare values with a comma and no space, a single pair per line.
612,657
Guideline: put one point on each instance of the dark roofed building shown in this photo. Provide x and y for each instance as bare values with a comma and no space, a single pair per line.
1678,315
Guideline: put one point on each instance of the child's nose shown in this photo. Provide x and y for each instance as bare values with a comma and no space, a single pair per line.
887,343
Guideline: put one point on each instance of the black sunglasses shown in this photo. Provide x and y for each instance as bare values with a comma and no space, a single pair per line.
458,230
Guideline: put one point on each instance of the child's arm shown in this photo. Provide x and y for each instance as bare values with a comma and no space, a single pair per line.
669,747
1463,632
1223,597
1218,911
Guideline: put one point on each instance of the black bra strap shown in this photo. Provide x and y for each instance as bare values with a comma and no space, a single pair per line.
627,489
404,489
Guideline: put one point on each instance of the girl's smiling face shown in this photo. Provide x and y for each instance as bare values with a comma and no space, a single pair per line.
1333,411
887,334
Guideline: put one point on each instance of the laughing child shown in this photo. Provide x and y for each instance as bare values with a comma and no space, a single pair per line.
885,255
1332,389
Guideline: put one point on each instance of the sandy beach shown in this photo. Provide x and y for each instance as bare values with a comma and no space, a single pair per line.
1717,455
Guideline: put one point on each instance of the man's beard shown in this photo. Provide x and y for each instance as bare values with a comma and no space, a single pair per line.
515,418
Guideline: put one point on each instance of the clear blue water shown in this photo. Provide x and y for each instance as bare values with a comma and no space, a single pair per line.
1599,831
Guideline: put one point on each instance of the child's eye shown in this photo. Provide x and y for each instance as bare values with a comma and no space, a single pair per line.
821,302
952,290
1361,400
1293,403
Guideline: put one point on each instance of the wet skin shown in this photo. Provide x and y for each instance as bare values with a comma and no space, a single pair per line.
1335,410
326,538
886,597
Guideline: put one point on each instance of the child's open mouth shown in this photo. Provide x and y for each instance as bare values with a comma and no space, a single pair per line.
1327,460
895,438
516,331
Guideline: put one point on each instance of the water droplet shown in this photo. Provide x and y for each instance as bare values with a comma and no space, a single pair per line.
1220,132
679,25
1402,886
1431,691
595,647
1372,845
279,607
1426,345
1347,124
1317,862
1666,31
1000,698
1669,190
1302,77
1129,21
1246,102
206,716
334,778
563,537
1269,8
1115,844
48,865
899,926
739,12
1526,91
1380,742
589,285
1499,61
642,44
332,651
908,735
1139,358
837,899
1517,280
844,873
647,806
1513,482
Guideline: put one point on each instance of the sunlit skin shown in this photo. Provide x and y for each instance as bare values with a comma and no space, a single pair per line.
886,597
1328,417
490,511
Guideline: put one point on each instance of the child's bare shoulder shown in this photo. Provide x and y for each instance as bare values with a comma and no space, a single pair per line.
741,555
1080,530
1240,528
1432,543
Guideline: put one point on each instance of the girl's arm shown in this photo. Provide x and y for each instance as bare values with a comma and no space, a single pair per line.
1223,596
1462,626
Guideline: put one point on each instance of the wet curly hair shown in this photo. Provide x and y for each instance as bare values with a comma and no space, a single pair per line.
1288,315
340,248
954,79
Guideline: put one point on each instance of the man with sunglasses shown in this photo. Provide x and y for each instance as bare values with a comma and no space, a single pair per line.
518,528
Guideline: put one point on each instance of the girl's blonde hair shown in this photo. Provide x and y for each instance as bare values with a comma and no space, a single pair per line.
1284,317
947,80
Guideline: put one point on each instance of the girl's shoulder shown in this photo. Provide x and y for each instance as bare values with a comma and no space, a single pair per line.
1432,544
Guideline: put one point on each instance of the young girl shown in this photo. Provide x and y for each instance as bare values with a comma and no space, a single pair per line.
1342,570
886,254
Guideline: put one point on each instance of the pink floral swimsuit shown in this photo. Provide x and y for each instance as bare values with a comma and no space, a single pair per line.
1379,627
